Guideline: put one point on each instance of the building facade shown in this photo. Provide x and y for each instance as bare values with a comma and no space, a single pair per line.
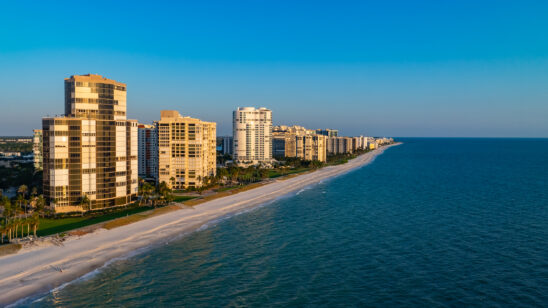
91,152
252,131
37,145
227,145
311,147
148,151
339,145
187,150
297,141
328,132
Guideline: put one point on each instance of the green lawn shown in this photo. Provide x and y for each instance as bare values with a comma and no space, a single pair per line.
225,188
182,198
50,226
276,173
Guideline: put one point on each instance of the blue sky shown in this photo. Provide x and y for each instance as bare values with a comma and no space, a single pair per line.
386,68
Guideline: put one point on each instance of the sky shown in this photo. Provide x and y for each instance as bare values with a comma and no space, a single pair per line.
380,68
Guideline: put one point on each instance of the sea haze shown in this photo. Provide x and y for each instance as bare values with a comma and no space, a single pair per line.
433,222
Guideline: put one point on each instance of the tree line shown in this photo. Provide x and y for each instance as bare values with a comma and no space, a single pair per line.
23,211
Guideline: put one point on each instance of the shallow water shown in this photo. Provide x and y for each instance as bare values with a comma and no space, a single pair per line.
433,222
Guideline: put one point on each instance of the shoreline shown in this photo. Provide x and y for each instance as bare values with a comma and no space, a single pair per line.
38,270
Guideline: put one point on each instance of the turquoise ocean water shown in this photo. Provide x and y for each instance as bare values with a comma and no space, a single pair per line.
430,223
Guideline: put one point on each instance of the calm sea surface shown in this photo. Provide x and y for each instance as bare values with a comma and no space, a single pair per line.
433,222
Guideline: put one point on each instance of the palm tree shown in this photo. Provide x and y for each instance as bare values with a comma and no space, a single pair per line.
35,222
146,189
40,205
85,202
2,232
23,190
20,201
164,191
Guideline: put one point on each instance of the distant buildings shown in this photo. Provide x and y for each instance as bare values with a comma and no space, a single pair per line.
148,151
297,141
328,132
10,154
4,140
252,131
339,145
227,145
187,150
37,145
91,152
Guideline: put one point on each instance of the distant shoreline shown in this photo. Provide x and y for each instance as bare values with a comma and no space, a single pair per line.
39,270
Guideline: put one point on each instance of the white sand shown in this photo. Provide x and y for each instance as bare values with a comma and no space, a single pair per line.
36,270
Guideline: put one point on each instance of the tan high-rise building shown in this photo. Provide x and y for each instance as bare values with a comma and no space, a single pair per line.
92,150
339,145
300,142
187,150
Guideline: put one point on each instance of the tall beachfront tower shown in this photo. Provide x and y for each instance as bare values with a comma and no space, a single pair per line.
252,131
148,151
90,153
187,150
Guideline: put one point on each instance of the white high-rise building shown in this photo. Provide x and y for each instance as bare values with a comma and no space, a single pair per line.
252,131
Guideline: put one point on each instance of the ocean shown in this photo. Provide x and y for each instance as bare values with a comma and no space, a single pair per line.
430,223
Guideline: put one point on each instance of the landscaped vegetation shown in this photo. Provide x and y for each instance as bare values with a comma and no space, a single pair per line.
20,174
26,214
23,147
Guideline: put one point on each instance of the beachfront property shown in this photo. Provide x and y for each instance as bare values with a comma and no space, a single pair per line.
187,150
90,153
328,132
339,145
148,151
252,131
147,146
297,141
37,145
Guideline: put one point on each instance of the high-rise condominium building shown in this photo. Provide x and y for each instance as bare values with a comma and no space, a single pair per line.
148,151
297,141
37,144
328,132
339,145
187,150
252,131
227,144
91,152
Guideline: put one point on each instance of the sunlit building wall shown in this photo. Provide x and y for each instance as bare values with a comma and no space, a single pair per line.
91,152
252,131
187,150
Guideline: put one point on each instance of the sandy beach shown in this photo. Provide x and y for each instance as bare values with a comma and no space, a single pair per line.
37,270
